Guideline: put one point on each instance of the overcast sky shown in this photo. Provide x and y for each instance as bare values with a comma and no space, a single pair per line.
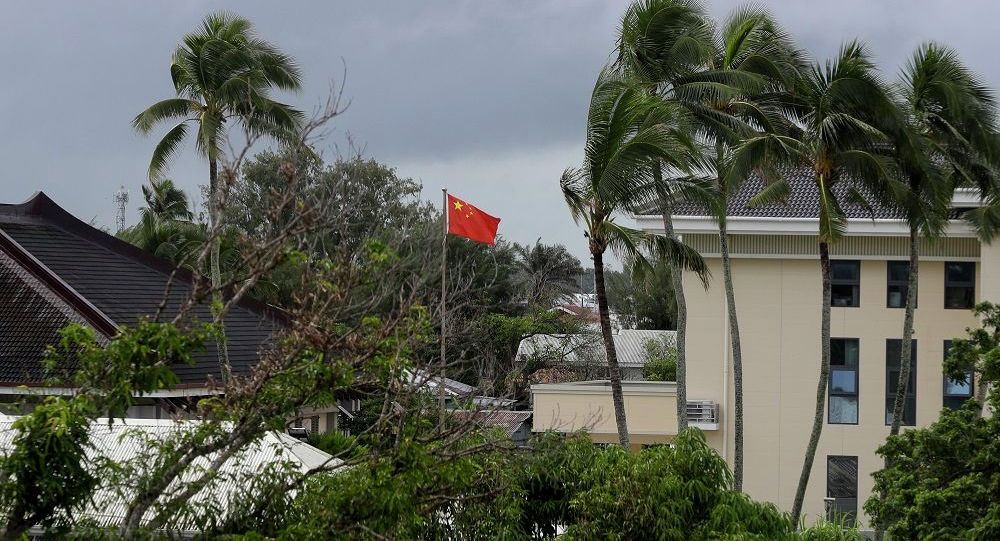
487,98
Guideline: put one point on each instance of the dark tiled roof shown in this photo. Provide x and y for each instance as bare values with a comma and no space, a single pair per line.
802,202
123,283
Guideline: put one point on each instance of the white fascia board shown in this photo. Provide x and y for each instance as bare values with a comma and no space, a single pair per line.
792,226
967,197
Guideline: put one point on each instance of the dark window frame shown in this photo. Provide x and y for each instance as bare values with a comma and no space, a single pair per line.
855,284
903,285
892,377
955,401
969,285
831,393
845,504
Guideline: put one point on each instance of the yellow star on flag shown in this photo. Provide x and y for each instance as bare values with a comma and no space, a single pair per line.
458,205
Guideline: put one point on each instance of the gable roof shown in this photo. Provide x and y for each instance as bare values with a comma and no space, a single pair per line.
108,283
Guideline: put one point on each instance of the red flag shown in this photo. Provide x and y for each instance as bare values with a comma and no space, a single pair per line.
465,220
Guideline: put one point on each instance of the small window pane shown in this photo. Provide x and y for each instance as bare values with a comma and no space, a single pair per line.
960,272
892,353
842,486
896,297
844,410
843,381
959,297
845,270
899,271
952,387
843,295
844,352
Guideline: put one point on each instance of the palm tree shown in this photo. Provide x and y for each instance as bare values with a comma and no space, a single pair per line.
662,43
949,140
545,272
165,228
758,63
844,110
628,131
223,73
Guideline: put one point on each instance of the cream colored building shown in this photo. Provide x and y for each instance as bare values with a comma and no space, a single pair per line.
778,296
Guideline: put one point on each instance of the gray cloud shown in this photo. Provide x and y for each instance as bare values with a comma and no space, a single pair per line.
487,98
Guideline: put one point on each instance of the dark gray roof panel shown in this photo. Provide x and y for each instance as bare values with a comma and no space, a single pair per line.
127,284
802,202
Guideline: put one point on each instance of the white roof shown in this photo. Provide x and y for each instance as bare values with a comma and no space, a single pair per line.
630,346
128,442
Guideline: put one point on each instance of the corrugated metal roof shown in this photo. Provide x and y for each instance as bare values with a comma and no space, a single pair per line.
131,442
630,346
506,420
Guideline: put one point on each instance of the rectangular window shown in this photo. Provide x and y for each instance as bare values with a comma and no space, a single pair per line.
843,381
845,278
959,284
956,392
892,353
898,280
842,488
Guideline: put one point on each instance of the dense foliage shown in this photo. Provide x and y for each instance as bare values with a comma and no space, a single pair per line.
943,481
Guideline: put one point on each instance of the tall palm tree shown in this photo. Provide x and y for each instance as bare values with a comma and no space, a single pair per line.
844,110
949,140
222,74
545,272
165,200
628,131
758,63
165,228
662,43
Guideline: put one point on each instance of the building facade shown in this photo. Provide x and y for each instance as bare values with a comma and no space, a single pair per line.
777,283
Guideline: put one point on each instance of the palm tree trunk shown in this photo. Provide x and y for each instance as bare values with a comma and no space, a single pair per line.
677,278
906,346
824,376
215,271
734,337
614,373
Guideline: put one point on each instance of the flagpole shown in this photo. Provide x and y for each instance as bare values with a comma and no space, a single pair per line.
444,298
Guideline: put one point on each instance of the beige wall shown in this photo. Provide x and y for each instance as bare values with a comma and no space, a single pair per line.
778,303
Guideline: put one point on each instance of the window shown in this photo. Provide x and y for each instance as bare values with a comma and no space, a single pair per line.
898,280
956,392
845,278
842,488
892,353
959,284
843,381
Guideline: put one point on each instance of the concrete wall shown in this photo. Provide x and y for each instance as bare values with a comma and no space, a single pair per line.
779,303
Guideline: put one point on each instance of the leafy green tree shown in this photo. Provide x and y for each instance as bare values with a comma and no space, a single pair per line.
642,297
222,74
629,130
940,482
660,360
546,273
842,109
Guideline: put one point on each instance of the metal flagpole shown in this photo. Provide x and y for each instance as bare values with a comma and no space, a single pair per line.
444,298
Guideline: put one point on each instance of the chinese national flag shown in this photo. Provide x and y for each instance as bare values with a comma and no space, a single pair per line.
465,220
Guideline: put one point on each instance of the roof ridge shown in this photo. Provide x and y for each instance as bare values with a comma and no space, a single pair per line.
41,205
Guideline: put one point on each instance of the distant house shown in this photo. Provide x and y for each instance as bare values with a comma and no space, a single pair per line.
130,444
456,393
55,270
584,353
516,425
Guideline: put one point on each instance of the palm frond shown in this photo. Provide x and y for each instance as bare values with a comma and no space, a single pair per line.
166,149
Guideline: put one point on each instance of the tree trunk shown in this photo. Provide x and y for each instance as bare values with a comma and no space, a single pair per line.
215,272
824,376
906,346
734,337
676,278
614,373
